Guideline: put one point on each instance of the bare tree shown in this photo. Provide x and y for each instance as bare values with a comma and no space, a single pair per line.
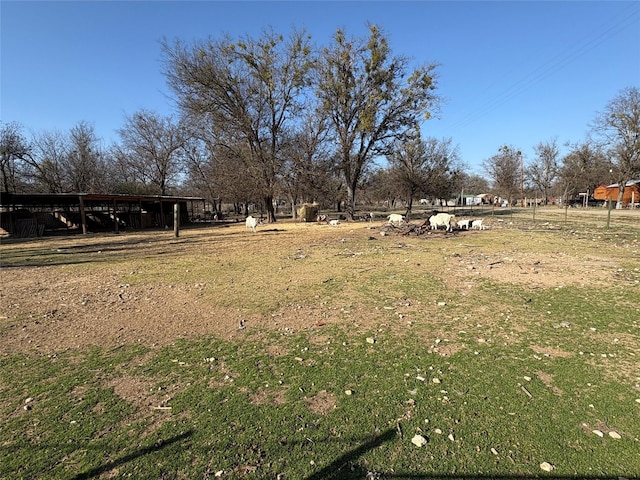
370,100
46,166
251,88
444,168
504,170
617,130
85,168
543,170
14,150
582,170
151,150
474,183
423,167
308,164
408,170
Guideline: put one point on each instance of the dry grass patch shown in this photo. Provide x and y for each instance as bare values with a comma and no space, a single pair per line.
321,403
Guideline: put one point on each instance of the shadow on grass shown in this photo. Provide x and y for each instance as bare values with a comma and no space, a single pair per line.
95,472
345,467
341,467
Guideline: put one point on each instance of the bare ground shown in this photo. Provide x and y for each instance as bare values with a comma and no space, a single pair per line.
49,308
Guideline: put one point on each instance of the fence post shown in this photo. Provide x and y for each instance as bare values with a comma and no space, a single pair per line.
608,212
176,220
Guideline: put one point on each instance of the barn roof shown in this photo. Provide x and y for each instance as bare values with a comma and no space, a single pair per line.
65,199
630,183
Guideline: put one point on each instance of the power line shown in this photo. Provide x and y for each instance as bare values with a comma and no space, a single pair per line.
624,20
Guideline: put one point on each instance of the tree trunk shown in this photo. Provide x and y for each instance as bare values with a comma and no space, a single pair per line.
409,207
351,202
620,193
294,211
268,205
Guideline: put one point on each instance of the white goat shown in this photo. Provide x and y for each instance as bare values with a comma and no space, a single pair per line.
441,220
250,223
464,224
477,225
334,223
395,218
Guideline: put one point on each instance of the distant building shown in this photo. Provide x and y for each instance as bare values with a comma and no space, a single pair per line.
473,200
631,195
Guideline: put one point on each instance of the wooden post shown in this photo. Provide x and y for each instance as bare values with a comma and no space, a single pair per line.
608,212
535,203
141,214
176,219
115,216
83,216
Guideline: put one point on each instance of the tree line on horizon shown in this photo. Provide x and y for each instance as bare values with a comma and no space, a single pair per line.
274,118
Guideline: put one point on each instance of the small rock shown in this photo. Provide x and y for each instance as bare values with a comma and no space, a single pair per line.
348,392
29,400
528,379
494,451
420,378
615,435
436,380
371,340
598,432
438,431
442,304
419,441
451,437
546,466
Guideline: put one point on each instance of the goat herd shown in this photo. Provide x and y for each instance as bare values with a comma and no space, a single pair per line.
437,220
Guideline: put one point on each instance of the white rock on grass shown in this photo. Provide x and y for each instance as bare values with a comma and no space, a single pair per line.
598,432
546,466
614,435
419,441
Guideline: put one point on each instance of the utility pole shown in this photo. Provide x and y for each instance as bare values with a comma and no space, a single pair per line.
521,177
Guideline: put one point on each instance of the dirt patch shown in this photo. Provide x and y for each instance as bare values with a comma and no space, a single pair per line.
264,396
99,309
547,379
446,349
537,270
551,352
321,403
136,391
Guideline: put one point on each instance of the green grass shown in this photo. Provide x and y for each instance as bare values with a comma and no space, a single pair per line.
214,424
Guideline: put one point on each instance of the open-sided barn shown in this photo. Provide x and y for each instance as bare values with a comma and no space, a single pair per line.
631,195
28,215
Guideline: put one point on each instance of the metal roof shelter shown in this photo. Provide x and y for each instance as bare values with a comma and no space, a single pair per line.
26,214
610,192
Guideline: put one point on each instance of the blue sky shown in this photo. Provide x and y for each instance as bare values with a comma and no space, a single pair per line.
512,72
